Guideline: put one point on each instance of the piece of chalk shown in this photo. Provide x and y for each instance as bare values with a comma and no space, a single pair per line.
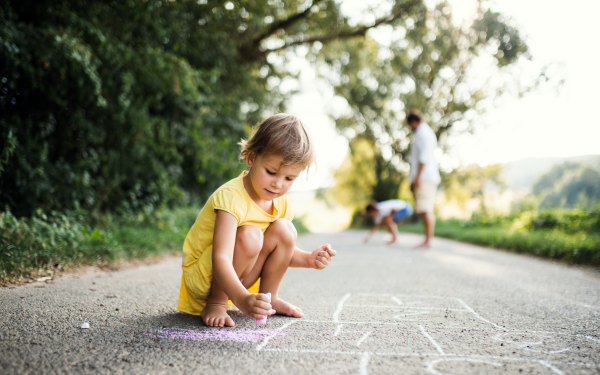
263,321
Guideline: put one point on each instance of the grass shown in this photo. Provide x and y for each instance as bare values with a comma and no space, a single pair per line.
47,242
577,243
52,241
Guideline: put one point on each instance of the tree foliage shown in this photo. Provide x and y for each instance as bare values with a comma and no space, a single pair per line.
473,181
132,104
569,185
355,178
427,65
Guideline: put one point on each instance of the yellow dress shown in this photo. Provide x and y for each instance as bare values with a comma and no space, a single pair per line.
197,276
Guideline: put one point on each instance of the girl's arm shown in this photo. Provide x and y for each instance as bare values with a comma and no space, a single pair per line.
253,305
222,256
318,259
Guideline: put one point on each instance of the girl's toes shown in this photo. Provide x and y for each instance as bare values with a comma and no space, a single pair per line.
229,322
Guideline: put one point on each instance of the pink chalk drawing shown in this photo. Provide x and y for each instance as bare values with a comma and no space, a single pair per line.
215,334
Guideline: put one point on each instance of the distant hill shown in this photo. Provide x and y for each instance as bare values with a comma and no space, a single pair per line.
521,174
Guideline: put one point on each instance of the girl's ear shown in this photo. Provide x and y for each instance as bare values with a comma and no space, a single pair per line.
250,156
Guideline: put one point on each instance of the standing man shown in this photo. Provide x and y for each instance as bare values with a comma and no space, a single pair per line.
424,173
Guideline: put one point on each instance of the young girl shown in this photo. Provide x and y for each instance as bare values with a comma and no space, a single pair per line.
243,240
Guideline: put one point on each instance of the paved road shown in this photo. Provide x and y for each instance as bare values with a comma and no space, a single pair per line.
458,309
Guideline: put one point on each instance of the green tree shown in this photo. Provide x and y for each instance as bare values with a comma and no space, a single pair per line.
473,181
108,105
355,178
427,65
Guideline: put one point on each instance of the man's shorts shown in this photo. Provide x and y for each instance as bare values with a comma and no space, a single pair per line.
403,213
425,197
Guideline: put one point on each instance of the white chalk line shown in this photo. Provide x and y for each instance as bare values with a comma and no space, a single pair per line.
265,341
525,345
479,316
400,295
364,363
410,314
340,306
438,348
338,330
409,307
467,307
444,326
590,338
434,355
400,323
554,369
432,370
426,334
362,338
595,339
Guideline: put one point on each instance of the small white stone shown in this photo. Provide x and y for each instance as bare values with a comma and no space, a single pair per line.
85,325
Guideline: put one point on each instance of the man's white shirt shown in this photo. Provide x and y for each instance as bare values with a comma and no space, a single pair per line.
423,152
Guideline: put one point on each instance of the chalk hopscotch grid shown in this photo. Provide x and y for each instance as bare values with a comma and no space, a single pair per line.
440,356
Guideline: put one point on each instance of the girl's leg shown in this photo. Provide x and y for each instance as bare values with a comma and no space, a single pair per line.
272,263
248,243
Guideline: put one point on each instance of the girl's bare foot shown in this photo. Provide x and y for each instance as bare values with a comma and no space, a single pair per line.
215,315
283,308
394,241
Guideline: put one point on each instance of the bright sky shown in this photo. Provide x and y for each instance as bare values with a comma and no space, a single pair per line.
541,124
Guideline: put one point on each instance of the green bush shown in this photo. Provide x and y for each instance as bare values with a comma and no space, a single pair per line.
568,235
299,225
47,241
570,221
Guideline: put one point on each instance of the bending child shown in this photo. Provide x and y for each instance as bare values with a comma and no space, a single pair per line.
243,240
389,213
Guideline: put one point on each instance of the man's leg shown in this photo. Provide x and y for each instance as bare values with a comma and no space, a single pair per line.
272,263
391,226
429,223
248,243
424,206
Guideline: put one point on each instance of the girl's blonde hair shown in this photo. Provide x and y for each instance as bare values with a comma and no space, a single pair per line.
281,135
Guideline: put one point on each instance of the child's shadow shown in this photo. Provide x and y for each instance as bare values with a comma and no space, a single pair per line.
180,320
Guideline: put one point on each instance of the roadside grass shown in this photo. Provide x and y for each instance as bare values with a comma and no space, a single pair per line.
578,243
42,244
47,242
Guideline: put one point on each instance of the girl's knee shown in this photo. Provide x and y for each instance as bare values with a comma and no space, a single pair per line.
249,239
285,231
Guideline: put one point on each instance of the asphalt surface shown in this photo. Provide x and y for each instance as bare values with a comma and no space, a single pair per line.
456,309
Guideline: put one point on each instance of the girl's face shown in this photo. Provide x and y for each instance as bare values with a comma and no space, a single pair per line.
270,179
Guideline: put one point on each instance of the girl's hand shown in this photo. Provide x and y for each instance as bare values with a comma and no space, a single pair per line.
256,306
321,257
